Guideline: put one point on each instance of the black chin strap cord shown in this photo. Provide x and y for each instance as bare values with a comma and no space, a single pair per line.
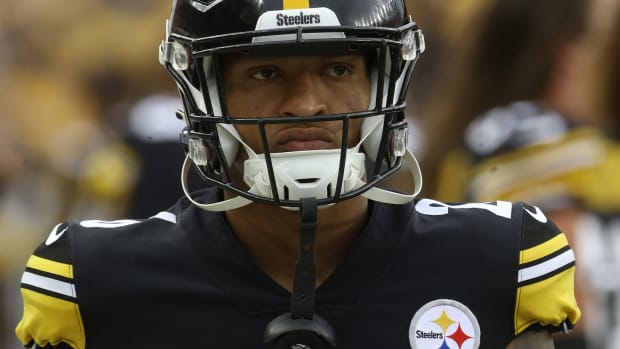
301,327
304,278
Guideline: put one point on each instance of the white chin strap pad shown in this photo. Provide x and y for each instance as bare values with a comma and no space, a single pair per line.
309,173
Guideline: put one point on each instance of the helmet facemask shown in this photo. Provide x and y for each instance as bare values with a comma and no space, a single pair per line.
361,161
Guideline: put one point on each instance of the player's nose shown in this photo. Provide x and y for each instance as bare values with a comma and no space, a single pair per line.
303,97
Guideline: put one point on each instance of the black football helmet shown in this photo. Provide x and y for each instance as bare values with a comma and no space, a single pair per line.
201,33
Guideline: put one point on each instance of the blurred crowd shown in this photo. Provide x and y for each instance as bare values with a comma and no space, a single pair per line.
512,100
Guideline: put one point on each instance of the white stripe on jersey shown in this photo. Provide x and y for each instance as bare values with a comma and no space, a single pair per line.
49,284
547,266
166,216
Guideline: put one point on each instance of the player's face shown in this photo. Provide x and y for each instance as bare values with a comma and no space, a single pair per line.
258,86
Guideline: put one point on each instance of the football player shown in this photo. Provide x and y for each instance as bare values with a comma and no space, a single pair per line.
309,234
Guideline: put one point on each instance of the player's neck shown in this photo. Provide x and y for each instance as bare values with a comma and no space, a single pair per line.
271,236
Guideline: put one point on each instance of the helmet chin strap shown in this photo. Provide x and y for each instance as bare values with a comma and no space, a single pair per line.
308,173
374,193
220,206
392,197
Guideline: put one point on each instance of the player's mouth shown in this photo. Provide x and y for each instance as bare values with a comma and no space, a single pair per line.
307,138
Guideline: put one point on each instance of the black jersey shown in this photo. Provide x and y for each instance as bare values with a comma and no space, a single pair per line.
422,275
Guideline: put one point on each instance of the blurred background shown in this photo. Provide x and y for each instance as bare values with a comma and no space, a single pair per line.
86,111
513,99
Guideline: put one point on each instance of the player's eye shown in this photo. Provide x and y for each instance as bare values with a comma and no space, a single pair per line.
264,73
338,70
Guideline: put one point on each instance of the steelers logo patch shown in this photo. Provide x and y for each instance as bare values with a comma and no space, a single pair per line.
444,324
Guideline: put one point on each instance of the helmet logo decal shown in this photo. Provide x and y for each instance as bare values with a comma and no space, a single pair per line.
318,16
301,18
295,4
444,324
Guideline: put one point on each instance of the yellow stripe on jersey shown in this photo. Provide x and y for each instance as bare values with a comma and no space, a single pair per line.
293,4
548,302
544,249
50,266
49,320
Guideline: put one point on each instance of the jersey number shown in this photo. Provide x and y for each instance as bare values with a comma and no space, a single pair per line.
437,208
